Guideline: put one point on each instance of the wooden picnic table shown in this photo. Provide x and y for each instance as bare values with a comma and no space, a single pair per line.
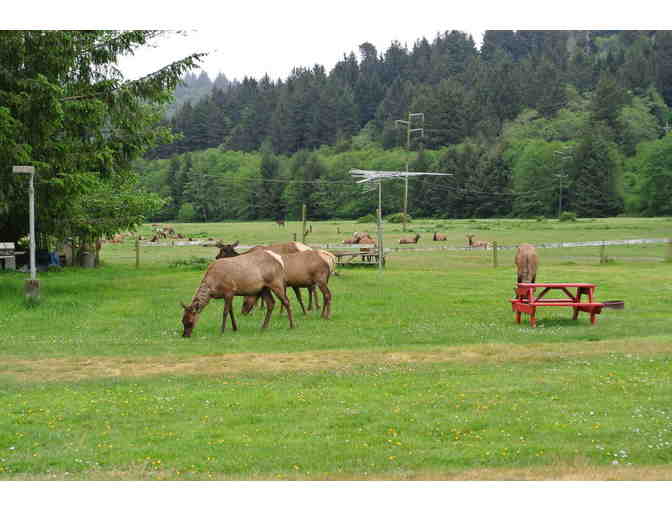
527,300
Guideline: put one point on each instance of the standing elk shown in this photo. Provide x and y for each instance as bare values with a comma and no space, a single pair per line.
305,270
439,237
527,262
476,244
410,240
229,250
255,274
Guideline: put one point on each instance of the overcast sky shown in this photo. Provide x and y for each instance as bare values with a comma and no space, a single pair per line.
252,38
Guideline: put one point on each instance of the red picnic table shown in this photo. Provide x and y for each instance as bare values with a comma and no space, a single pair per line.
527,302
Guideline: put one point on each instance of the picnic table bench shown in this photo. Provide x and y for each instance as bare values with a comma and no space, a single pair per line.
355,253
8,256
527,302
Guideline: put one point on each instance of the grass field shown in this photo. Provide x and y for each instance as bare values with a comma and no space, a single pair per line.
421,374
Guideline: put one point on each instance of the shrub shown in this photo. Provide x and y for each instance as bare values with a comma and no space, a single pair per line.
369,218
397,218
567,216
186,213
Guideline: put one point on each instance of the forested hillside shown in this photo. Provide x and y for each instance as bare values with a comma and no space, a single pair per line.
530,122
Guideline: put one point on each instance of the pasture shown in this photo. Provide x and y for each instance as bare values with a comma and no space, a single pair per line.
420,374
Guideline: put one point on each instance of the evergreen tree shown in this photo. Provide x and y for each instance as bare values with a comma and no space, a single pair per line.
596,175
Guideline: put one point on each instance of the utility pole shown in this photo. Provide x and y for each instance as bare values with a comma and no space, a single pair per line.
409,129
32,285
369,177
564,155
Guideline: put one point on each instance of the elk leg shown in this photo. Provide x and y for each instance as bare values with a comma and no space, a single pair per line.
228,304
282,296
326,300
270,304
297,291
312,293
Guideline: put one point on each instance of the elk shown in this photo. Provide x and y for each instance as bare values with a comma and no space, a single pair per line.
526,261
228,250
410,240
280,222
255,274
476,244
439,237
305,269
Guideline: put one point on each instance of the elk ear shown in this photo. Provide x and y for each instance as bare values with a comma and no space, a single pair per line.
183,305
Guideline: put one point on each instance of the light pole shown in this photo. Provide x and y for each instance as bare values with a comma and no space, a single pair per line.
32,285
409,123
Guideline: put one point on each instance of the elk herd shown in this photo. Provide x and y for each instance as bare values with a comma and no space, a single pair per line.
264,272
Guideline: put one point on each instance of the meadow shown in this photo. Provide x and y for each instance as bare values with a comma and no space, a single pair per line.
421,374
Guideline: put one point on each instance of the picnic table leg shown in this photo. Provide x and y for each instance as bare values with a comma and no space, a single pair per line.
575,315
517,316
533,318
593,318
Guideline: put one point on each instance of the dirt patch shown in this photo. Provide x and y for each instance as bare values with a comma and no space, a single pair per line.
557,472
73,369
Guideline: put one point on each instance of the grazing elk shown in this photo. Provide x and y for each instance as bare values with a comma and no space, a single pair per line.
255,274
439,237
305,270
280,222
527,262
476,244
410,240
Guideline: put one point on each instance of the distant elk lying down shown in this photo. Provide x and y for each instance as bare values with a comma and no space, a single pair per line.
439,237
410,240
527,262
476,244
305,270
255,274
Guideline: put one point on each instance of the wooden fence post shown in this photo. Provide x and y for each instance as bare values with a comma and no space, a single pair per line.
494,254
603,258
303,224
668,257
137,252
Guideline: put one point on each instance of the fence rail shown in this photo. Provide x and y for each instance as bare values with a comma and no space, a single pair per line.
340,246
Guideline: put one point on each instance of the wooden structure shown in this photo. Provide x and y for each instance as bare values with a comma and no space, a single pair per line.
367,254
527,302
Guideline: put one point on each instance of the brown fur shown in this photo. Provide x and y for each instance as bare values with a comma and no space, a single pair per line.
410,240
439,237
304,270
228,250
254,274
527,262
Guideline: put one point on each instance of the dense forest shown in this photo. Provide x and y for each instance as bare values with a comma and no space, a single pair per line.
530,124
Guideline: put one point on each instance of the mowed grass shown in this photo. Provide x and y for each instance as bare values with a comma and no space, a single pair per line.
422,373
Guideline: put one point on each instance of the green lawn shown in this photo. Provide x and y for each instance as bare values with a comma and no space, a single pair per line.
422,373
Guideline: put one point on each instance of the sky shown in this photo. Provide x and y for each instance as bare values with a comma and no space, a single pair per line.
253,38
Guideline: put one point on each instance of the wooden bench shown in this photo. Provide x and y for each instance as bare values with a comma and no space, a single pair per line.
8,256
527,302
